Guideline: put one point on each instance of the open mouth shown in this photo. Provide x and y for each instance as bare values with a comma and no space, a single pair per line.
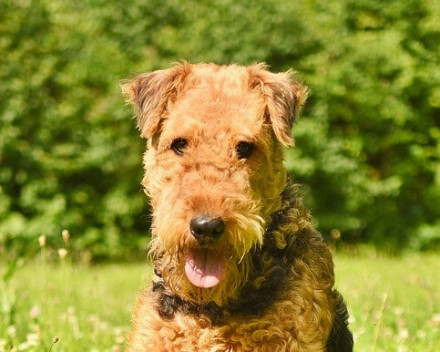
204,267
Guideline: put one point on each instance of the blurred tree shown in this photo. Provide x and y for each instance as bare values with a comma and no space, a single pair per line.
368,144
69,156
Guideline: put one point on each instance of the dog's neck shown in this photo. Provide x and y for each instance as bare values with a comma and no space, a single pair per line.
285,238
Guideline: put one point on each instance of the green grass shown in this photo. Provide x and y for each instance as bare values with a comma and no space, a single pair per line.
87,307
394,304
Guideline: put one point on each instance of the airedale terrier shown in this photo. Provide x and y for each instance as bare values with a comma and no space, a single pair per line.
237,263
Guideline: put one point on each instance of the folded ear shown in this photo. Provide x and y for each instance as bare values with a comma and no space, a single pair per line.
284,98
150,94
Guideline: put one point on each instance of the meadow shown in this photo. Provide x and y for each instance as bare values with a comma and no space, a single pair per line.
394,303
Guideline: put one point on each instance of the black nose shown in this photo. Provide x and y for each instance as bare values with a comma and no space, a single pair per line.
205,227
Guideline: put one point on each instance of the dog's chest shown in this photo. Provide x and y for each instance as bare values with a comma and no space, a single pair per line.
277,330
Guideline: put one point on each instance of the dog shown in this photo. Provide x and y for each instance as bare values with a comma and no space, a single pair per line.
238,265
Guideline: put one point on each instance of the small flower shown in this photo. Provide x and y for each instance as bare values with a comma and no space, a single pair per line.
24,346
42,240
351,319
118,331
62,252
32,339
421,334
403,334
335,234
435,320
120,340
3,344
34,313
11,331
54,341
71,311
398,311
66,236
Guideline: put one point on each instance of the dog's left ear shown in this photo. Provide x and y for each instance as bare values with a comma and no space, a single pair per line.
284,98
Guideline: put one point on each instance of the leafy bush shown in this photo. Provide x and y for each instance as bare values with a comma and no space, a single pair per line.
367,144
70,155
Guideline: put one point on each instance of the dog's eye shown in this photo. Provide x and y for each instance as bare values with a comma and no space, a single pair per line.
178,145
244,150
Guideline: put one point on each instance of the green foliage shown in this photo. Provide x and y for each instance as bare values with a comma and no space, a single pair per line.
70,156
368,143
373,161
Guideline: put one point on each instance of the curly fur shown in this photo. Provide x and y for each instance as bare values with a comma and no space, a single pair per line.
277,292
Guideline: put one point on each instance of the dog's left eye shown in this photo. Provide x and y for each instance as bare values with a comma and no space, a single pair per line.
244,150
179,145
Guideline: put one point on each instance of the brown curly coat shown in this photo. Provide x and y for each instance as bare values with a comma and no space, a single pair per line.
276,293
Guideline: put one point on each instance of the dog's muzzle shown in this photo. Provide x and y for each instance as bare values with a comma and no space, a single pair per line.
205,266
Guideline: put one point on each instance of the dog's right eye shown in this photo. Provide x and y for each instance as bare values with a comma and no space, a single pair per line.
179,145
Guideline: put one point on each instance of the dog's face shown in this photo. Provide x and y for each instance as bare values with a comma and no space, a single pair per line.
213,169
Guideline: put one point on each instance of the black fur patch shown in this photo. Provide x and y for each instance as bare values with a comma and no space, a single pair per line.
253,301
168,304
340,339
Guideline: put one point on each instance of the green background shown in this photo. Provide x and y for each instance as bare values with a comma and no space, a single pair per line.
367,144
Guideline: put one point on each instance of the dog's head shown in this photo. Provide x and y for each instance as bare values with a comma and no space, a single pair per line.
213,168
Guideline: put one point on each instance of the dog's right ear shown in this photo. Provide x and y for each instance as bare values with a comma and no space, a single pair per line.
150,94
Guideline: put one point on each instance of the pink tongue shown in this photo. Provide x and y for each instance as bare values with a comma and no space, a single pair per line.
204,268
